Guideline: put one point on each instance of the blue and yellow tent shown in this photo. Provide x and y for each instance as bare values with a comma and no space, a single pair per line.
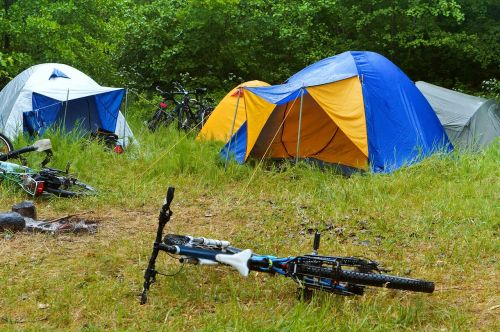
356,109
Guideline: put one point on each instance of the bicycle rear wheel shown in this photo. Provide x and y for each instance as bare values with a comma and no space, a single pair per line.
5,144
72,189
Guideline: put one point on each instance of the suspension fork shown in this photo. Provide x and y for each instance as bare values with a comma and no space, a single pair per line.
163,218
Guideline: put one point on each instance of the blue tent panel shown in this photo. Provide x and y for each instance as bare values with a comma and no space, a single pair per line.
44,114
108,106
57,73
332,69
402,128
278,94
237,146
85,114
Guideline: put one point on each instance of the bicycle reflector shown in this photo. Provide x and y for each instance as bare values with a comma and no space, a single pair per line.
40,186
163,105
119,149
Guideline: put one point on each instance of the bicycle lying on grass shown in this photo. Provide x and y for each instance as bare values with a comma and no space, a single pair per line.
45,180
188,112
340,275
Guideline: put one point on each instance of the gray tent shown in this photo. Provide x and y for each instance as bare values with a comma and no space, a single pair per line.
470,122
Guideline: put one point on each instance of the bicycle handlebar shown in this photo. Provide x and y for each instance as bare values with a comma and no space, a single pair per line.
181,91
40,145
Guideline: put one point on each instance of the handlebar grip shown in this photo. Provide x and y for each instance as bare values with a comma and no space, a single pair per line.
168,198
15,153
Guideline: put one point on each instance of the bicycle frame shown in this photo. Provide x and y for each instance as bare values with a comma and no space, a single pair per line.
340,275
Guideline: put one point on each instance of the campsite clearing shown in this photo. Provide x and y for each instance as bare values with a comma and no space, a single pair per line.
436,220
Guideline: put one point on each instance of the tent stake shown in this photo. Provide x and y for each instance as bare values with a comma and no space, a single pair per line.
300,125
232,129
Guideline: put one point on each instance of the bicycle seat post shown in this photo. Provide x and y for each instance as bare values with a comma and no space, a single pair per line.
317,238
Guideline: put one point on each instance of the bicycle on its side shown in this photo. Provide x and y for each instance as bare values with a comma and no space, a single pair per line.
46,180
340,275
188,112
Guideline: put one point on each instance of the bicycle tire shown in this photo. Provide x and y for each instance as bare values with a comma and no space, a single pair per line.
154,121
76,189
204,114
6,145
368,279
184,120
168,118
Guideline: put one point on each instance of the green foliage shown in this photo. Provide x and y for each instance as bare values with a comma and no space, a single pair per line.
270,40
491,89
84,34
142,44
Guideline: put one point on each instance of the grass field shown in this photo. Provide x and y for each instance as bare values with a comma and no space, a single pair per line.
437,220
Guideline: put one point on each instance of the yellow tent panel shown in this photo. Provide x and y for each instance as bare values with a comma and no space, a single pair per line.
343,102
218,125
332,127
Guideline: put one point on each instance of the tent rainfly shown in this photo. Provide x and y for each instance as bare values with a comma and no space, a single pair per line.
228,116
470,122
355,109
52,93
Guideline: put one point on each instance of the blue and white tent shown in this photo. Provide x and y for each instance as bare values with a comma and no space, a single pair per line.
57,94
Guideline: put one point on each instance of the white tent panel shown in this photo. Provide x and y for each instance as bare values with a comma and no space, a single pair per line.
60,82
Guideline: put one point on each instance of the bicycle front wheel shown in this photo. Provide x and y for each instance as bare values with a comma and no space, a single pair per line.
155,120
5,144
387,281
365,279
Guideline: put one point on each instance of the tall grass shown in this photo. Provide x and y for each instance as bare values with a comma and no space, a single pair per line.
436,220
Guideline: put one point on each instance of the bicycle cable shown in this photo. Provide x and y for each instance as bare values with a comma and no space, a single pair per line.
172,274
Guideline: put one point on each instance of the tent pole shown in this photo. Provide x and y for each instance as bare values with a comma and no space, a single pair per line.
232,128
125,119
300,125
65,109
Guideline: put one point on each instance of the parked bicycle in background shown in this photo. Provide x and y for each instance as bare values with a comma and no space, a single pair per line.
190,110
